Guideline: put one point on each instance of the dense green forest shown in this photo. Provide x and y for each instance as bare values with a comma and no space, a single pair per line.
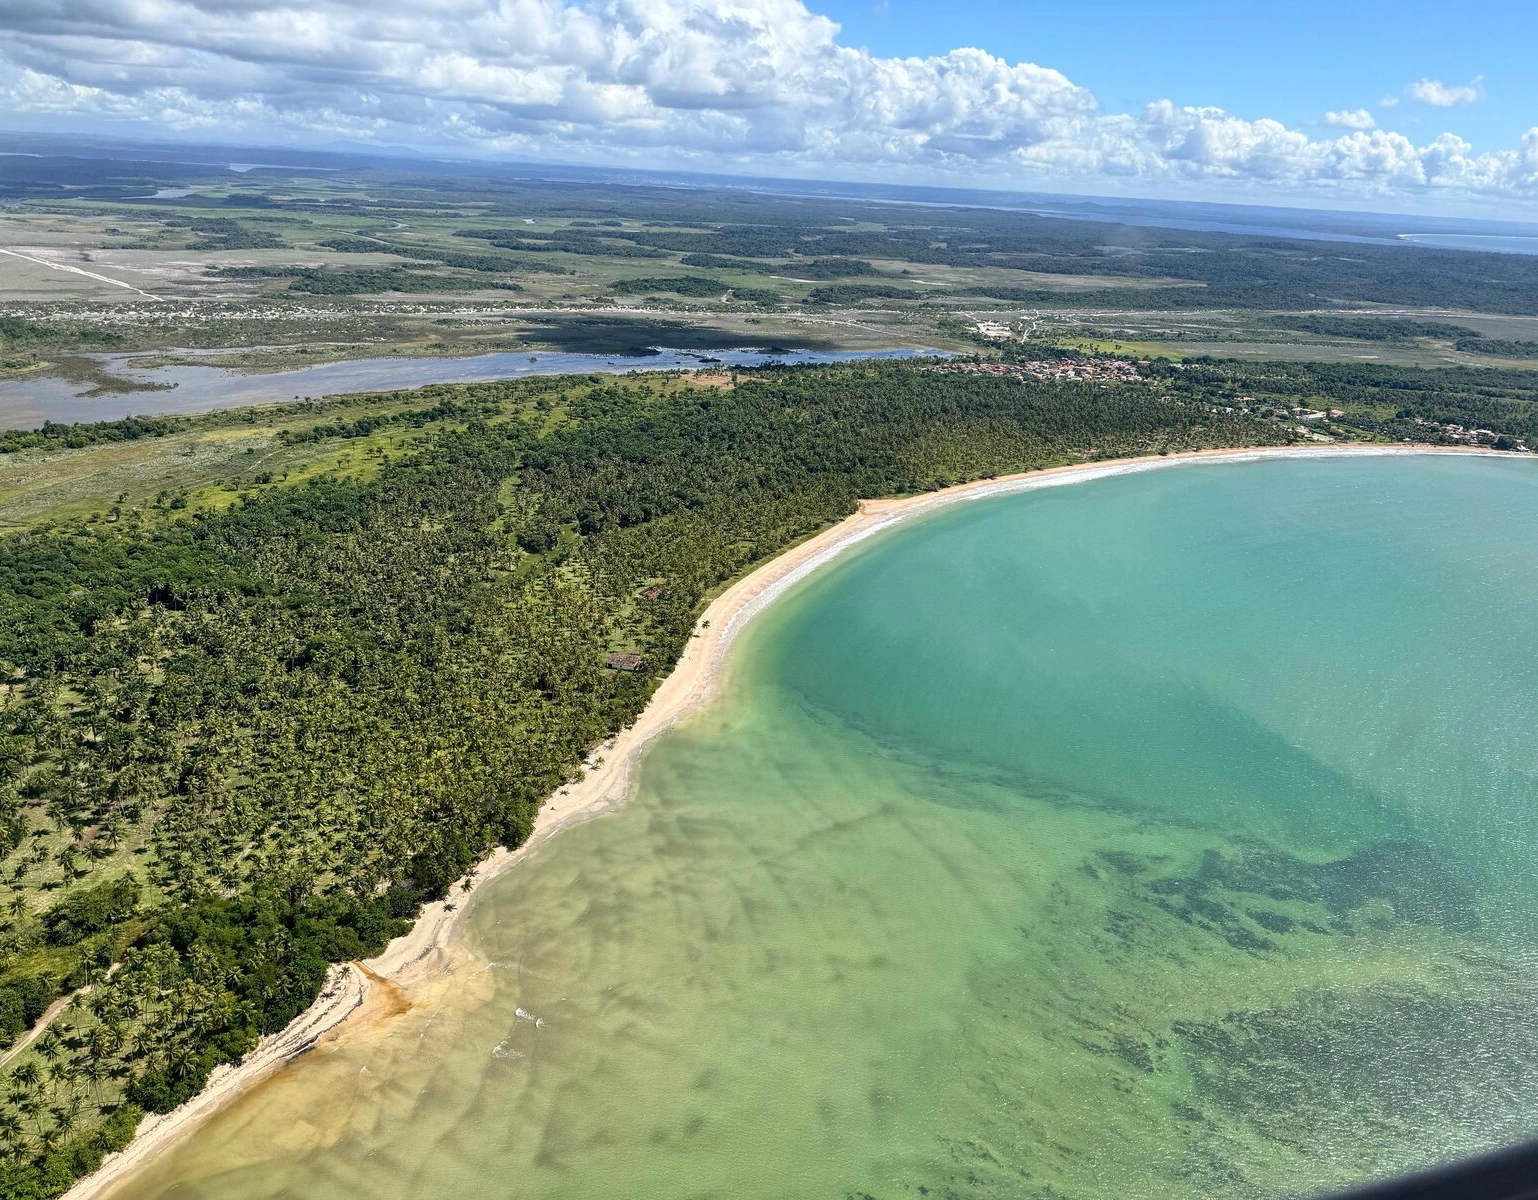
858,293
1399,329
243,743
18,335
357,283
807,268
74,437
1497,347
681,285
1369,329
362,282
221,233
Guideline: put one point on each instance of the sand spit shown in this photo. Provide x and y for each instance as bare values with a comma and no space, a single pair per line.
358,995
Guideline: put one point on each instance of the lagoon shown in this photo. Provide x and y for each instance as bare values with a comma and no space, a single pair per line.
27,401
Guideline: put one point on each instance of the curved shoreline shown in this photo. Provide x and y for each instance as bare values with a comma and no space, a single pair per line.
358,994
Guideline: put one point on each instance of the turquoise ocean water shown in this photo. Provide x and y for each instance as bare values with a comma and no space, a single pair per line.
1168,835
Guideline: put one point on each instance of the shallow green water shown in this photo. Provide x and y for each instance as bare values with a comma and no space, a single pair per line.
1167,835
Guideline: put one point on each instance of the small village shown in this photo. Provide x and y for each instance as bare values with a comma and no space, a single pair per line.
1473,437
1082,370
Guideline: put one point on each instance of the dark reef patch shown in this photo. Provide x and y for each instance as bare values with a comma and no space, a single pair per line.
1372,888
1422,884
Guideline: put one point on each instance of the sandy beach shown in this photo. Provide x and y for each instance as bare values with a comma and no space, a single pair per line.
358,995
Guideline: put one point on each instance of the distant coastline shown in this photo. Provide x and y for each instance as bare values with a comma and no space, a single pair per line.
358,995
1487,243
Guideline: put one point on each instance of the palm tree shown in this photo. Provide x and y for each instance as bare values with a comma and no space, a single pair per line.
68,1114
67,1072
94,1069
28,1075
51,1044
47,1136
180,1062
31,1106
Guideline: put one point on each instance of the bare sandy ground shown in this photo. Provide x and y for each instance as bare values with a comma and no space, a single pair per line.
44,262
360,994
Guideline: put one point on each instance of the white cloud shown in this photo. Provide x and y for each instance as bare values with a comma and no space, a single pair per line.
744,76
1351,118
1445,95
763,84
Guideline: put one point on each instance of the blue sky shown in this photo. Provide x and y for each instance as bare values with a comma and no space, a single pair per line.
1356,103
1293,61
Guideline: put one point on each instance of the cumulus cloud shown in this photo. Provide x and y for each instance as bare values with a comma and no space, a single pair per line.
1351,118
759,83
748,76
1446,95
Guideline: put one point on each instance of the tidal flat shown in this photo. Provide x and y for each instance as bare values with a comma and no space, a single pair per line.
1164,835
